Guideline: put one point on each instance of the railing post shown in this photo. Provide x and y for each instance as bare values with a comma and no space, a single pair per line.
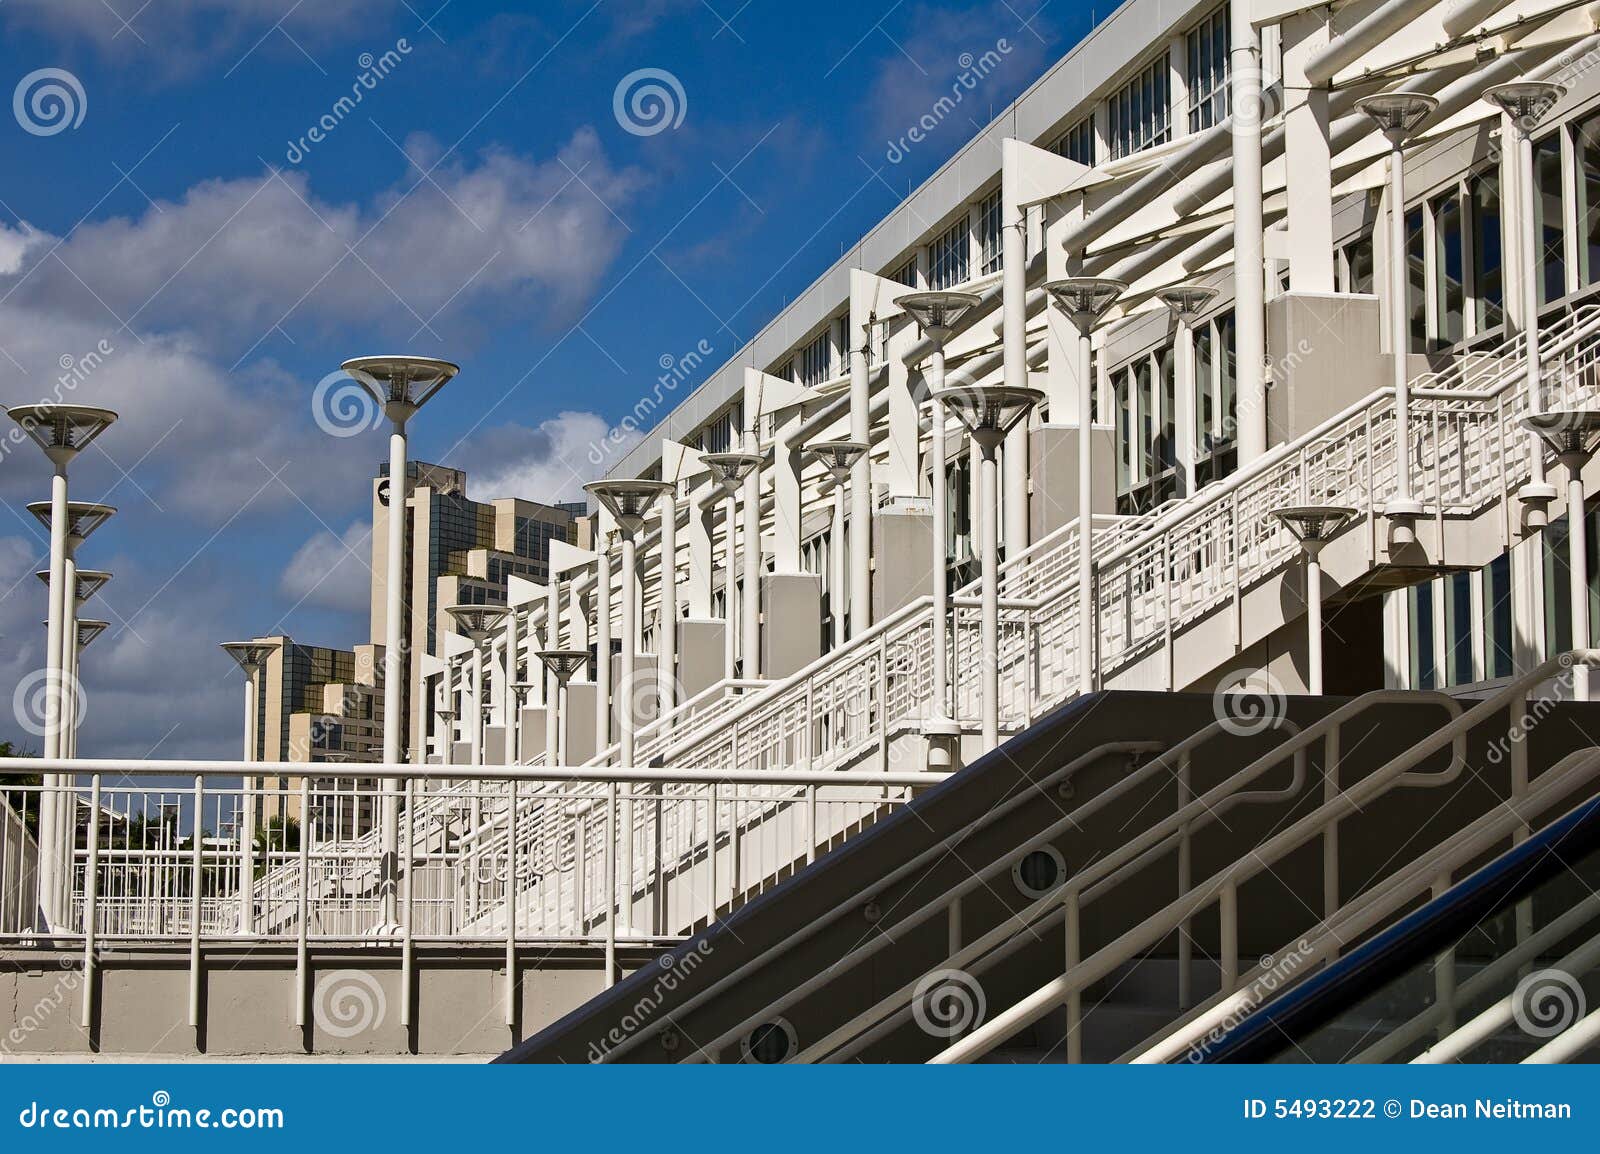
811,823
91,895
883,702
302,959
611,884
711,855
1185,881
408,848
195,906
1444,971
512,893
1074,946
1228,918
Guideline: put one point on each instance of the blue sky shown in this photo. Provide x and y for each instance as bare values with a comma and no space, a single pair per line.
179,230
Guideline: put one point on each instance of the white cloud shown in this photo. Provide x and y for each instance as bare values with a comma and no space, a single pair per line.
548,463
334,572
235,261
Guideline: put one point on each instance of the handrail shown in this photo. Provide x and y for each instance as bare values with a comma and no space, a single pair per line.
1372,908
941,902
854,902
1105,873
1419,936
1344,804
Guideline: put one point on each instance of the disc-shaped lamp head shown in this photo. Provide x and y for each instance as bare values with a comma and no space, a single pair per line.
62,431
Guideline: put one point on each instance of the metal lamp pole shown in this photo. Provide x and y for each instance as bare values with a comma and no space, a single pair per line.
1574,434
990,412
1085,300
839,458
1314,526
62,432
562,664
937,314
252,657
730,470
1397,115
1525,103
400,385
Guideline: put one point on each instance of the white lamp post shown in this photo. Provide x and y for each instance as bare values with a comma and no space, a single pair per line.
1314,526
1526,103
477,624
629,502
252,657
1085,300
729,470
1186,303
520,691
990,412
1574,434
400,385
62,432
1397,115
447,719
839,458
562,664
82,585
937,314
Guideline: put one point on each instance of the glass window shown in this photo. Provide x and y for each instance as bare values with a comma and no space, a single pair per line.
1450,308
1497,617
1208,71
1548,218
1422,668
906,274
1488,277
1458,628
1358,264
1417,280
1140,112
989,233
1077,143
948,258
814,360
1586,142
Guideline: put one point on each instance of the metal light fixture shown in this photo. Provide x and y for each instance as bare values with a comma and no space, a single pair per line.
1574,435
477,623
937,314
400,385
1525,103
1314,526
990,412
1397,115
252,658
1187,301
729,471
520,690
82,584
562,664
62,432
839,458
1085,299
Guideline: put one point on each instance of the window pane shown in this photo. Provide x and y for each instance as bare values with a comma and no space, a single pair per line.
1487,259
1497,617
1587,143
1548,218
1416,281
1451,305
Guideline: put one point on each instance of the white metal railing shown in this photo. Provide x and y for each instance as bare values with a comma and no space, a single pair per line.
1155,574
151,870
1221,890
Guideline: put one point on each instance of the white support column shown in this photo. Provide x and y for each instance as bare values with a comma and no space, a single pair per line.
667,649
475,714
730,586
750,587
1308,158
602,636
1249,287
902,474
50,815
1014,339
787,493
513,714
860,556
1184,391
